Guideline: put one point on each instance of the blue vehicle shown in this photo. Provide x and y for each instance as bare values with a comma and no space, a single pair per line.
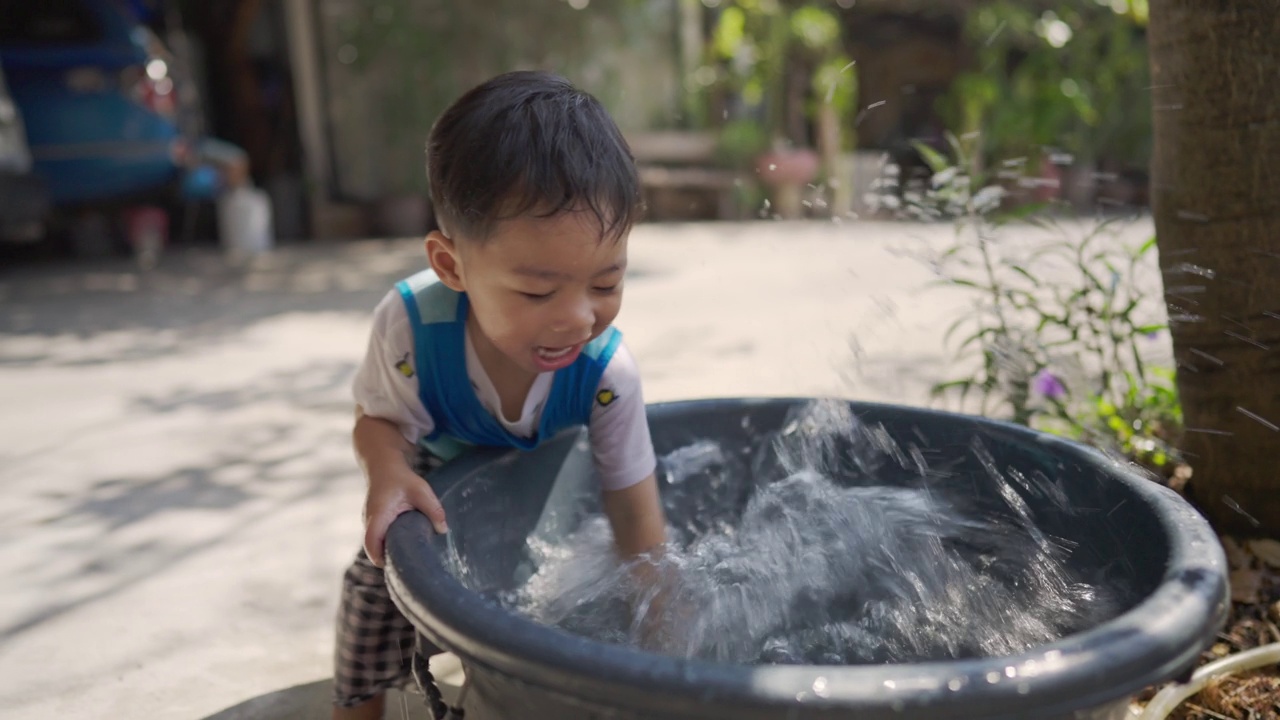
98,93
24,200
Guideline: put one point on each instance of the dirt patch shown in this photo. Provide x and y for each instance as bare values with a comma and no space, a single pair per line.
1254,621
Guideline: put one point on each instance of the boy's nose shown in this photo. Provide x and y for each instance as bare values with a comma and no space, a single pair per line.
579,319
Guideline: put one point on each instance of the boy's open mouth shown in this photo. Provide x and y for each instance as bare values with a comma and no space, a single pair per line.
555,358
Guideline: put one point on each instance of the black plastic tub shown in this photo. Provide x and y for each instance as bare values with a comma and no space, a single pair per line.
1158,553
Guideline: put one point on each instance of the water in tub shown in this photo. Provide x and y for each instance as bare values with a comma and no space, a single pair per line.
774,559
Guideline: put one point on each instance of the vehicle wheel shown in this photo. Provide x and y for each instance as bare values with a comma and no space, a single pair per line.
91,236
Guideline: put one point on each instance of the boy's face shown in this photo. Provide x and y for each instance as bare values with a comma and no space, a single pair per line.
540,288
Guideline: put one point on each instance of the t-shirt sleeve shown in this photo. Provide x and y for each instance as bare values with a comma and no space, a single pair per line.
386,384
619,430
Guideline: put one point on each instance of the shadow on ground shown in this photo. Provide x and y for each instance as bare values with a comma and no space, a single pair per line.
312,700
100,529
192,296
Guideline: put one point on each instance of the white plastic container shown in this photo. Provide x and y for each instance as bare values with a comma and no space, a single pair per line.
244,222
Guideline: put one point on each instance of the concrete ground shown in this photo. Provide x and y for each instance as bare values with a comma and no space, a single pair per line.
181,497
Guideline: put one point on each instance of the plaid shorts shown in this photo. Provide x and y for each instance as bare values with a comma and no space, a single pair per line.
374,647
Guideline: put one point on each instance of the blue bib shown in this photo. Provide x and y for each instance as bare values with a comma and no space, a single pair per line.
438,316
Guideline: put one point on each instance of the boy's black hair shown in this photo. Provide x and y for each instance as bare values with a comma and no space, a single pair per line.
529,142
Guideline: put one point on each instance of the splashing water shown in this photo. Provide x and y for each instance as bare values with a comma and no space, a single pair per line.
800,556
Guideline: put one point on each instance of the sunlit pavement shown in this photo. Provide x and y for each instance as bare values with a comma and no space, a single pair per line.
180,496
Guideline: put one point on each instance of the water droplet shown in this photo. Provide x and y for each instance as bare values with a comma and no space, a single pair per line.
1207,356
1258,419
1024,688
1011,671
955,683
1193,216
820,687
1242,338
1231,503
1193,269
1208,431
890,684
993,677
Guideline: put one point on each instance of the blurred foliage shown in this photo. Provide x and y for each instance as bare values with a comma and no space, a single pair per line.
1056,337
836,85
1074,77
740,142
415,57
1146,425
375,34
758,46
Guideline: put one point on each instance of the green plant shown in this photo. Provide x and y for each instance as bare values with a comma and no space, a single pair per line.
391,47
1146,426
400,63
759,45
1065,77
739,142
835,87
1054,341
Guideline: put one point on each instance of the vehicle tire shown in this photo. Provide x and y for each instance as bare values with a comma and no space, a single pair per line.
91,236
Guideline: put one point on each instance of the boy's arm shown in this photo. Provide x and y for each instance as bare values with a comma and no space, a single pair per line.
639,531
389,418
635,513
623,451
624,460
394,487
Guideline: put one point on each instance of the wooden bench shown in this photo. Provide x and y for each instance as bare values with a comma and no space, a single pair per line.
678,172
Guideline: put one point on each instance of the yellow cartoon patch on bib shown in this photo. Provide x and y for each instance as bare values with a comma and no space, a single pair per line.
605,397
404,367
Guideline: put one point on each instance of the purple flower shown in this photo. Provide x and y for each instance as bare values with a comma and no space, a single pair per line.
1049,385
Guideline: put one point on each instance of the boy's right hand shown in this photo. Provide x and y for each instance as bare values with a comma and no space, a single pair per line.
393,491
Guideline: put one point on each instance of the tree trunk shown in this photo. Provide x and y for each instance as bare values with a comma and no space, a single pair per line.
1216,200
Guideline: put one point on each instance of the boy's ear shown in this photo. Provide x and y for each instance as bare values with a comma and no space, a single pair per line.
443,255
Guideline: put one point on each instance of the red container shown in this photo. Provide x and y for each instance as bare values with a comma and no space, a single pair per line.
146,227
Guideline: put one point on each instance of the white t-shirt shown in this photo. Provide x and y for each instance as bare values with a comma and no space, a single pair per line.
620,442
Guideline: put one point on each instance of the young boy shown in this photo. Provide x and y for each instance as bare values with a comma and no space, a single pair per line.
505,341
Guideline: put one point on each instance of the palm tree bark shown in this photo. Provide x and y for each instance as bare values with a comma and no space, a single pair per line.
1216,200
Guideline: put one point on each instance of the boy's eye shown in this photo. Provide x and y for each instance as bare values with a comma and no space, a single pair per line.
536,296
607,290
